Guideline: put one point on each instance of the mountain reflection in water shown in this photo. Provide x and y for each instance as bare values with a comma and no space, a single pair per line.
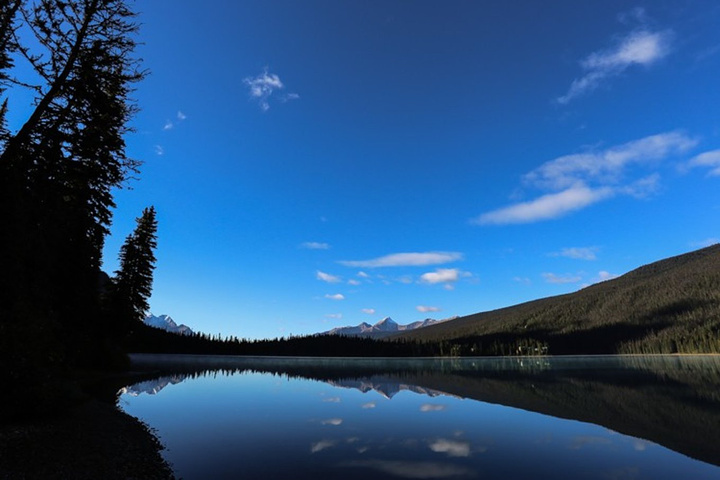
666,400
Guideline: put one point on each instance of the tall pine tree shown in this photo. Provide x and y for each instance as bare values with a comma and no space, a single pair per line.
133,280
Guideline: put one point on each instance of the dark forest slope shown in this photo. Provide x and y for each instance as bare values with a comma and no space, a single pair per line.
665,307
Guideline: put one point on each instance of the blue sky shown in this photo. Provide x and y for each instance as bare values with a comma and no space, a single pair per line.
324,163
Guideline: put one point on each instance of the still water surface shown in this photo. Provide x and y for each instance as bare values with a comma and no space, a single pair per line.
567,418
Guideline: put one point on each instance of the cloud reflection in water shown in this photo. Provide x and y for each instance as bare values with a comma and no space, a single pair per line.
452,448
419,470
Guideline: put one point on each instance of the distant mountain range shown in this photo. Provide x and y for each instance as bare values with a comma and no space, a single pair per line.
388,387
385,327
165,322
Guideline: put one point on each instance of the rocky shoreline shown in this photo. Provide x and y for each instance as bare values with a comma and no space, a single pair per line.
91,440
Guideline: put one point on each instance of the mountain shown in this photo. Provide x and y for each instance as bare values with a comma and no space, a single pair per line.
388,387
386,326
165,322
669,306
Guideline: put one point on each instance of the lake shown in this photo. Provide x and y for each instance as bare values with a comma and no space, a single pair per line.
655,417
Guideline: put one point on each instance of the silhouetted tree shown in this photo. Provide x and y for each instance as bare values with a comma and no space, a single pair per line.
133,281
57,171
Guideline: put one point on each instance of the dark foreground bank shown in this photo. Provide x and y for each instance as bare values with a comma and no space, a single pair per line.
90,440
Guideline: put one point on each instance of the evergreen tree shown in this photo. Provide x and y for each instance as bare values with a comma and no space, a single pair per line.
57,171
133,281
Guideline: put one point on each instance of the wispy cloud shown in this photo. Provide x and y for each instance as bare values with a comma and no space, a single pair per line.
710,160
552,205
413,259
368,405
354,282
607,166
560,279
159,150
326,277
427,308
263,86
523,280
335,316
169,124
336,296
578,253
641,47
577,181
368,311
315,245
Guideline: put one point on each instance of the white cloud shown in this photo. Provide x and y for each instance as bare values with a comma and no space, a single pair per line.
354,282
169,124
709,160
453,448
426,309
332,400
159,150
413,259
336,316
326,277
262,87
605,275
607,166
443,275
337,296
559,279
578,253
315,245
579,180
552,205
368,311
363,275
640,47
523,280
368,405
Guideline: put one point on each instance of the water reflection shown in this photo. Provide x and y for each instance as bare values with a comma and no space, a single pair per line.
434,418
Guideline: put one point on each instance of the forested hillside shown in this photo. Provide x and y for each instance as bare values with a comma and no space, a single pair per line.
665,307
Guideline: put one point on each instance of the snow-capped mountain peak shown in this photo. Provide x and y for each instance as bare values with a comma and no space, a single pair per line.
387,324
383,328
165,322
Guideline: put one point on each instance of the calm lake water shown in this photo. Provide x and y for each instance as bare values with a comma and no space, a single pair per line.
512,418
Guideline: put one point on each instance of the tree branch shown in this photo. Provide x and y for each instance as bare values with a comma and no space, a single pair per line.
23,135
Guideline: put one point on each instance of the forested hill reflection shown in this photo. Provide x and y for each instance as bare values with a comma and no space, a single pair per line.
672,401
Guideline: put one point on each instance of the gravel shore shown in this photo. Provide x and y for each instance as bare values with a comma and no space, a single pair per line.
91,440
